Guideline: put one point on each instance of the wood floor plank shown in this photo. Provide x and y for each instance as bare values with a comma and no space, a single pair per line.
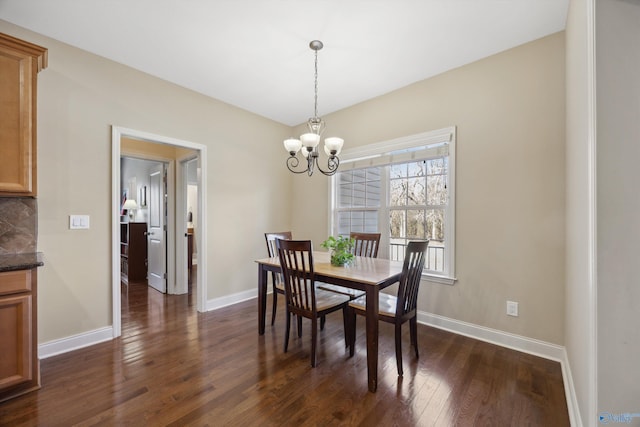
176,367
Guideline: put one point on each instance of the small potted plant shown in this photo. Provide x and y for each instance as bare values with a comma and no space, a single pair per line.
341,250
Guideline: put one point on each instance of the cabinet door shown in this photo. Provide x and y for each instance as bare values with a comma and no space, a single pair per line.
19,65
15,333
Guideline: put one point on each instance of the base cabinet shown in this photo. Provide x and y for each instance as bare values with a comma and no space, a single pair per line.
19,364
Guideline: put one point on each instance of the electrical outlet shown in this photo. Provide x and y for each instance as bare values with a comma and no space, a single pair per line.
512,308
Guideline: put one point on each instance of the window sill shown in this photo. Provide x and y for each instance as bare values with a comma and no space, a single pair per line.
444,280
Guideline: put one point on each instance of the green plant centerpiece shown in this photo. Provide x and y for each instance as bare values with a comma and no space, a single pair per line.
341,249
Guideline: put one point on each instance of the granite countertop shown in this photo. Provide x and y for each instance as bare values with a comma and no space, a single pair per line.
24,261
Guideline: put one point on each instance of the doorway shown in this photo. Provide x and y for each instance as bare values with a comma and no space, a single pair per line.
175,226
143,184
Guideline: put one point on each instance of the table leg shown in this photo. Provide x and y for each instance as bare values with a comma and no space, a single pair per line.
372,338
262,298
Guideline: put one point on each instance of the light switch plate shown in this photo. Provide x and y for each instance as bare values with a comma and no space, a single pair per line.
512,308
78,222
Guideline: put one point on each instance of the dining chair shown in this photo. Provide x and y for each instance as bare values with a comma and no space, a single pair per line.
366,244
396,309
304,299
276,278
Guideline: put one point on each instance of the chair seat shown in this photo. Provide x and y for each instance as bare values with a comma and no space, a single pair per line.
352,293
326,299
387,304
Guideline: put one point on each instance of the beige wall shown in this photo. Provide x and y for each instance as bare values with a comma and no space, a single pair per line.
509,113
618,205
580,294
509,110
80,96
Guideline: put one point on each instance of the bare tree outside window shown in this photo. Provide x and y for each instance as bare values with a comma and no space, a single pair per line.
417,201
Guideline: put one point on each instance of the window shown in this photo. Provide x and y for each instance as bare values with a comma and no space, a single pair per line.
403,189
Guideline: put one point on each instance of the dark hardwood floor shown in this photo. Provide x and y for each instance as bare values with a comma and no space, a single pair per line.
176,367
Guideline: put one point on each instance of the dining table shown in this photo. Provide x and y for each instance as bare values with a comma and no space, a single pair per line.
366,274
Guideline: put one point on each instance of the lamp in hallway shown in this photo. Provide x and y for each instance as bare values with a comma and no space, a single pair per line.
130,206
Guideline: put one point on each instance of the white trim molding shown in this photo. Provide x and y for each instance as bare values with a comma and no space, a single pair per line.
227,300
75,342
592,142
570,392
494,336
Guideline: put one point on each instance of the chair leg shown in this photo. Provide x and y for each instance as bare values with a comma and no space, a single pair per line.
322,321
345,325
314,340
399,348
275,305
413,329
299,326
286,331
352,331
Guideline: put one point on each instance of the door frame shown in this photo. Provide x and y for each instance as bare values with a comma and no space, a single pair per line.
182,286
117,133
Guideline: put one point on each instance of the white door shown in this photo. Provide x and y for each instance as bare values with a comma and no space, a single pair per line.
157,244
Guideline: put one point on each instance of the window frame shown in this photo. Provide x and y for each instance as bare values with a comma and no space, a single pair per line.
372,154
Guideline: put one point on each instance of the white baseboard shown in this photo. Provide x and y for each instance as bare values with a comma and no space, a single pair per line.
516,342
570,392
75,342
216,303
494,336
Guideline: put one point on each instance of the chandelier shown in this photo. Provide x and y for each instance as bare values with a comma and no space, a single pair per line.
308,142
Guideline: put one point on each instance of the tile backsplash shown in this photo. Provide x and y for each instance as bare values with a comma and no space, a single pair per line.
18,225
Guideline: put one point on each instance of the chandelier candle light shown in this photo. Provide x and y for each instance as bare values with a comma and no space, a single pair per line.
308,142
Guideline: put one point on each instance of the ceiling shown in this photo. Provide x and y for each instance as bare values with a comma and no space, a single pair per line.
255,54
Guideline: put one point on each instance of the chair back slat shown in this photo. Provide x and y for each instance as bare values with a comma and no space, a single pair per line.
271,241
414,260
366,244
296,262
272,250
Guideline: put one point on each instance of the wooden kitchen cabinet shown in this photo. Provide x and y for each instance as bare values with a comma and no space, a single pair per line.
20,62
19,364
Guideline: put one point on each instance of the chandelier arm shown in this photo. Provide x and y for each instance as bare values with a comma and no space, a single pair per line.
332,165
293,161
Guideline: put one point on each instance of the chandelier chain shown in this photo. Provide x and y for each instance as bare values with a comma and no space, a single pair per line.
315,102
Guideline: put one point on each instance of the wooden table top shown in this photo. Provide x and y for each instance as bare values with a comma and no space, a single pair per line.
365,270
